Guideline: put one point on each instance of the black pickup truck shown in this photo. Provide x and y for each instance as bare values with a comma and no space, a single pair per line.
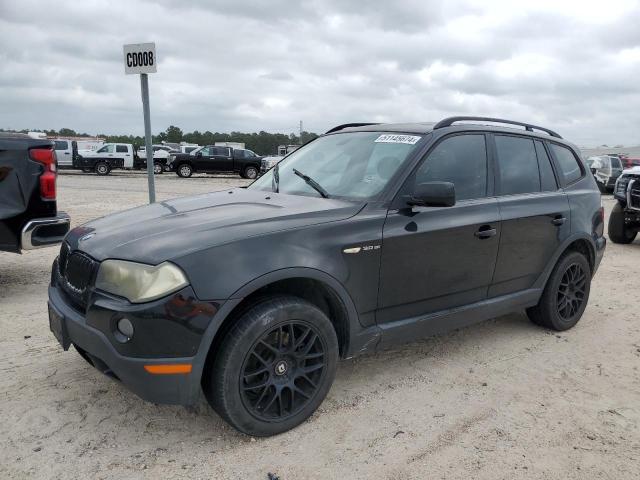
215,159
28,211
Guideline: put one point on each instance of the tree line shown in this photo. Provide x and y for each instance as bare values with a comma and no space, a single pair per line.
263,143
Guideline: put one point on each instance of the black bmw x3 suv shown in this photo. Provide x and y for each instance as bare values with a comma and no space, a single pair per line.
369,236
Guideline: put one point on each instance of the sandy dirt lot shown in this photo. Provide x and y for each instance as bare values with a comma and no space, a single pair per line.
500,400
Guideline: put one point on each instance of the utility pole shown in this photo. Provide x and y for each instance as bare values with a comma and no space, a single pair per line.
140,58
300,132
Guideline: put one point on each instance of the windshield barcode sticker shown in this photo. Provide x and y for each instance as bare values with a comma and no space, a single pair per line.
408,139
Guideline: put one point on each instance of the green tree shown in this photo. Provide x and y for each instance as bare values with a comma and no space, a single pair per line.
174,134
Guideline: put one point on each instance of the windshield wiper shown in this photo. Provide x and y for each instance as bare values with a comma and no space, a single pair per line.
276,178
312,183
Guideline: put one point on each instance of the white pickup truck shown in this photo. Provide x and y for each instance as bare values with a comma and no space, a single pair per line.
119,155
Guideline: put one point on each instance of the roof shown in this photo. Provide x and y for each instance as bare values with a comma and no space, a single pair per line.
496,124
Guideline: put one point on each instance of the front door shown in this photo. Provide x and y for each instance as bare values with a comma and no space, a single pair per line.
534,212
438,258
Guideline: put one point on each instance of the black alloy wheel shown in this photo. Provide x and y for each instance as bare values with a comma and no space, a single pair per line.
566,293
273,367
282,371
571,291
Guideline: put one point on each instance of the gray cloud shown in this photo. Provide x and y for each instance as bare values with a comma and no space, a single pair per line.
253,65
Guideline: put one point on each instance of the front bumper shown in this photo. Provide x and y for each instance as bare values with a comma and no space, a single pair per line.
43,232
164,331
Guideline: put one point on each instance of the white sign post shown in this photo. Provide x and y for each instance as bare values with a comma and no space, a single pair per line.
140,58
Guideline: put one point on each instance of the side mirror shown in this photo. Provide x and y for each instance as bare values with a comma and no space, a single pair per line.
433,194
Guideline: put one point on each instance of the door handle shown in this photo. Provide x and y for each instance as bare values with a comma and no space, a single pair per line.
558,221
486,232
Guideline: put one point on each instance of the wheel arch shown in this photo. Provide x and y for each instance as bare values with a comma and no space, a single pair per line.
314,286
579,242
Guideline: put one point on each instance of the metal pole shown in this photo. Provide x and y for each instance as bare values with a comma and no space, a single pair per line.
144,87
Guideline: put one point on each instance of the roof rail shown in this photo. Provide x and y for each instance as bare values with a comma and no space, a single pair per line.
347,125
447,122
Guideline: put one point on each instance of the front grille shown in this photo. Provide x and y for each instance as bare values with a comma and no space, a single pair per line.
63,257
634,194
79,271
76,273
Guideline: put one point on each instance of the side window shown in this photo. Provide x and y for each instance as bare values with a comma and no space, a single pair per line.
61,145
121,149
207,151
518,165
106,149
567,162
462,160
547,178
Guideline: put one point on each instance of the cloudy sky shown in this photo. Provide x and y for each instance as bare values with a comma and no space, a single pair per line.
225,65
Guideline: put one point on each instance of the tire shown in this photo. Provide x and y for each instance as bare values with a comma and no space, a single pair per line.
102,168
601,187
158,169
250,172
184,170
565,295
257,382
617,230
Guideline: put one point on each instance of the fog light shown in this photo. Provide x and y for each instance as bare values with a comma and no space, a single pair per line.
125,328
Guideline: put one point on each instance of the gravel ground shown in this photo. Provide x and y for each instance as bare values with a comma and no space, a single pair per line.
499,400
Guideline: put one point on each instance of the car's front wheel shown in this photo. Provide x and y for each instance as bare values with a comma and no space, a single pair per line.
618,230
184,170
566,294
250,173
274,367
158,169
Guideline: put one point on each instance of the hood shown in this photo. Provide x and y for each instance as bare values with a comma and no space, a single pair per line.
171,229
631,171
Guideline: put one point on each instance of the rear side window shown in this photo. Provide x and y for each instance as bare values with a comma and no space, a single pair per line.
518,165
567,162
547,178
121,149
462,160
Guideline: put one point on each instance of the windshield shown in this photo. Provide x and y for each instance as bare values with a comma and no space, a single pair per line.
615,163
355,165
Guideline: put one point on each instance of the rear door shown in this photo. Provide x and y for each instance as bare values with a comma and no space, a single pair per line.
124,155
534,211
222,160
64,153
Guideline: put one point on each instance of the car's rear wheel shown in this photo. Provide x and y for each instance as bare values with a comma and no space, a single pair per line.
566,294
618,230
250,173
102,168
184,170
274,367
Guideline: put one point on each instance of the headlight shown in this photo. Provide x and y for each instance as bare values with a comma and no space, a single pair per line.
139,283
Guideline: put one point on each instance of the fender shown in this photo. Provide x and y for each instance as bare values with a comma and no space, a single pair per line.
360,339
544,276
